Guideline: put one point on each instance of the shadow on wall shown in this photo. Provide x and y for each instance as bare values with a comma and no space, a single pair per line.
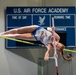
32,55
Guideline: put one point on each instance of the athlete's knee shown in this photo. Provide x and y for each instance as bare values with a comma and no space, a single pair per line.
35,25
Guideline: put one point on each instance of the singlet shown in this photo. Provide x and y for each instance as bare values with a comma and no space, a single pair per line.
42,35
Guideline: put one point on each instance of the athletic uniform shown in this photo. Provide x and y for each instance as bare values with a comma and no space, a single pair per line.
42,35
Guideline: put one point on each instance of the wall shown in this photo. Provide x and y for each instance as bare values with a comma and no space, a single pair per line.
60,2
24,61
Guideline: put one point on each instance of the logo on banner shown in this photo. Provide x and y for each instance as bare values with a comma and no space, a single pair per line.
41,20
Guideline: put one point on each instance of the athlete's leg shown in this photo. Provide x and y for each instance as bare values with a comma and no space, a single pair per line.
21,30
26,36
27,29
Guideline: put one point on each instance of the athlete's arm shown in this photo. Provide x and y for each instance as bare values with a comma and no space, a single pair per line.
48,52
56,35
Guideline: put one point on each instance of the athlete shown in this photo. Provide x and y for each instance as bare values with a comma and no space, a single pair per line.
38,33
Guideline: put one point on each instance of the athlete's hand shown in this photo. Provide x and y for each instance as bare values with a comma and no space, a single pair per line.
56,55
46,58
53,28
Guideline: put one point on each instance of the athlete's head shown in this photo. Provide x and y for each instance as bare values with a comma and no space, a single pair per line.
60,47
